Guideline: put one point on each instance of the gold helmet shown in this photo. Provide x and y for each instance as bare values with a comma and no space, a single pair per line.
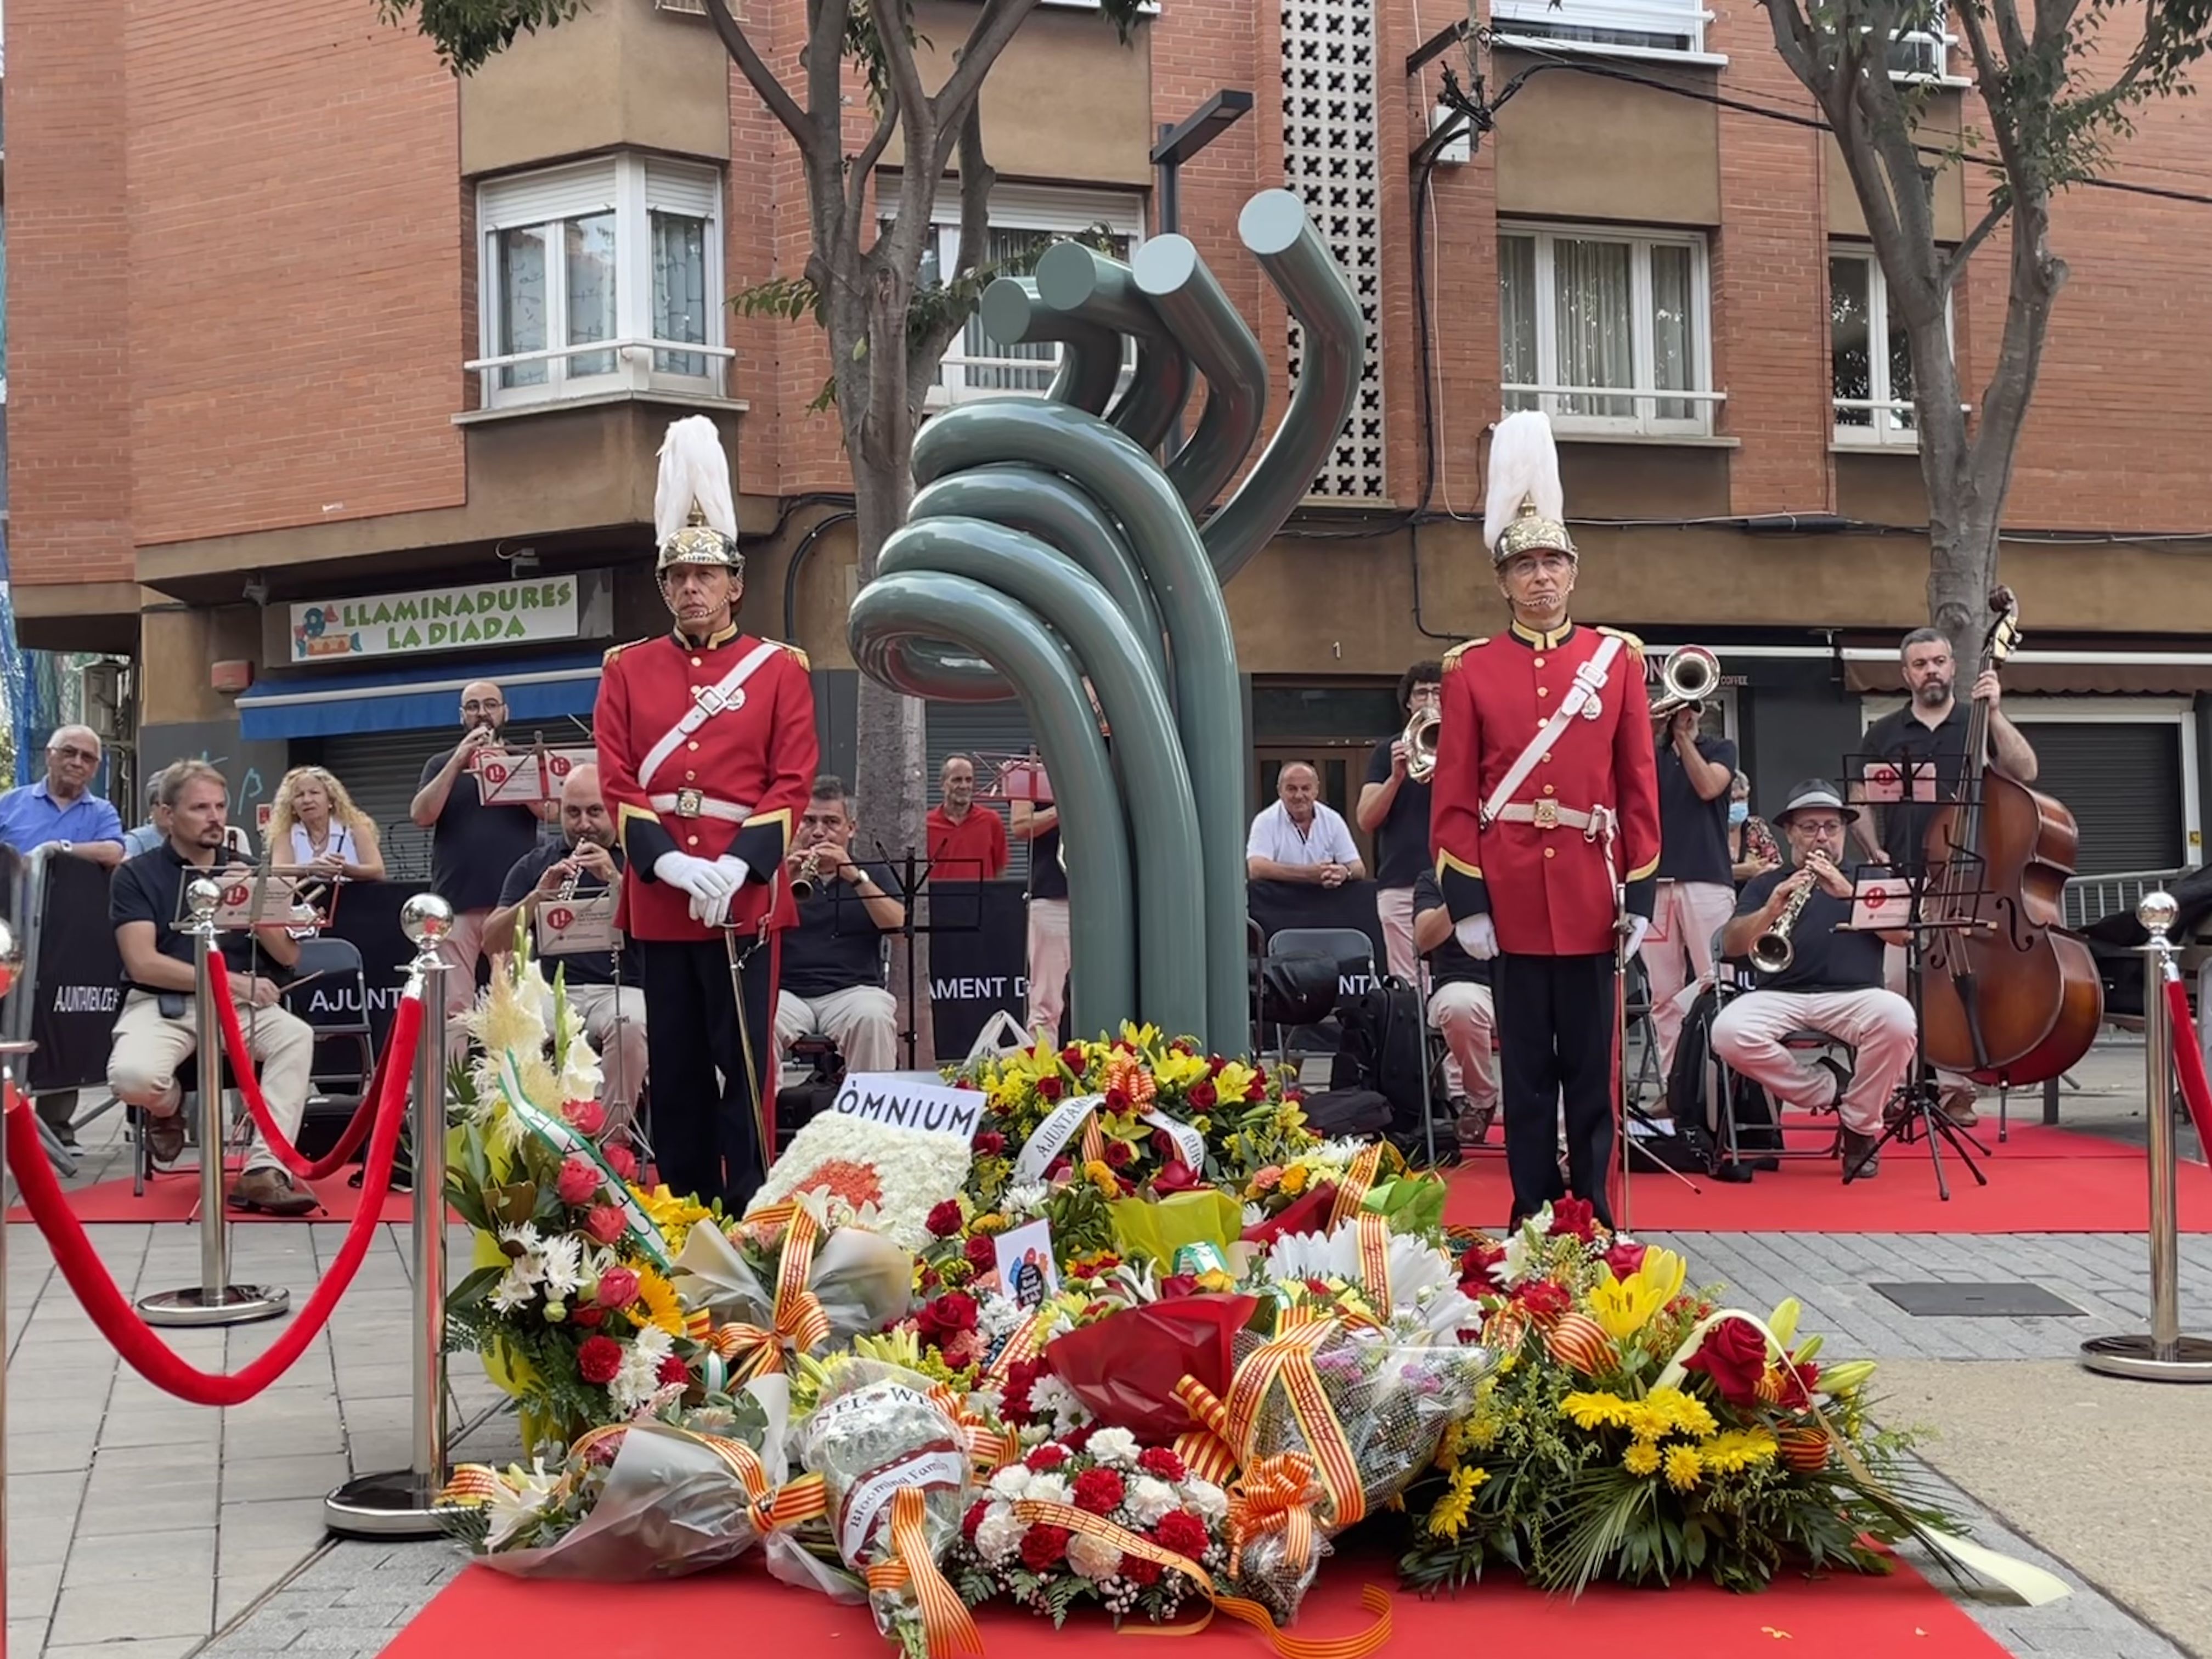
694,514
1526,508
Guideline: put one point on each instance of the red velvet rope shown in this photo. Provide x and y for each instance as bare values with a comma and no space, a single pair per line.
2188,1064
118,1322
242,1063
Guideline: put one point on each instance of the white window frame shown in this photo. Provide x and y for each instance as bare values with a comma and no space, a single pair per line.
1549,392
1649,26
1885,432
1021,207
633,187
1936,44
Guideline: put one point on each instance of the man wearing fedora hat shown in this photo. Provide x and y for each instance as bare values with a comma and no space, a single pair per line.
1832,983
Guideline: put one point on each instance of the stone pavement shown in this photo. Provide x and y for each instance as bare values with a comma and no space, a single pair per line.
142,1529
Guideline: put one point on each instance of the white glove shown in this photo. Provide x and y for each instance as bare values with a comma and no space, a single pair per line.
1478,936
702,878
1637,927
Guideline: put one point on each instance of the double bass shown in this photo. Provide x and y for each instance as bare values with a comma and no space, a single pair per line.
2008,996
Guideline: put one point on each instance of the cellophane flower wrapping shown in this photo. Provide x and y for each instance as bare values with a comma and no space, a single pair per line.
862,1279
659,1504
1393,1401
1124,1368
874,1431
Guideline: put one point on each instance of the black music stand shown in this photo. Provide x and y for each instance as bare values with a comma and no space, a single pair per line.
913,872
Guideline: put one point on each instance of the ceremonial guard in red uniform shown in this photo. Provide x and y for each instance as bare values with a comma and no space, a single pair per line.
1545,822
706,753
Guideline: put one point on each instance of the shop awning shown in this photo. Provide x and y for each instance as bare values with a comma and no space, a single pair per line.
399,700
2060,670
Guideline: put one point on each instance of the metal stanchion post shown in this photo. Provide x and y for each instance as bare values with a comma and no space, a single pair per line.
215,1300
403,1503
11,968
2163,1354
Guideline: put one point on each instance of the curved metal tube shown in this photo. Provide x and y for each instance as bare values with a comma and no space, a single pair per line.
1091,358
1108,464
1056,513
1161,820
929,604
1078,281
1188,298
948,672
1274,226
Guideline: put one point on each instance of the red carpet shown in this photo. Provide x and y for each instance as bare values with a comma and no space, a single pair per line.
174,1198
2041,1181
1847,1618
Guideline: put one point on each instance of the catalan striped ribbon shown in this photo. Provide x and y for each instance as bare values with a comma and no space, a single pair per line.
1375,1599
989,1450
1374,1235
797,1318
1224,1441
946,1626
1277,1495
1351,1193
1027,1342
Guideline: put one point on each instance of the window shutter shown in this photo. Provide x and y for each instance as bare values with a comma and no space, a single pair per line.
970,728
670,187
556,193
2122,782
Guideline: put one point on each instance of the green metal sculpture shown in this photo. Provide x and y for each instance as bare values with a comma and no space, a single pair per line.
1049,556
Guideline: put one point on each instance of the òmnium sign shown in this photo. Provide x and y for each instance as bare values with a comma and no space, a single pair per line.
436,619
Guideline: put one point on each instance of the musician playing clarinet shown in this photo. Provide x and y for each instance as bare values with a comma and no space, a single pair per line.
1546,825
707,754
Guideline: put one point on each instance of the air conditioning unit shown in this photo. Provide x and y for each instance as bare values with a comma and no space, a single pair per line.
107,701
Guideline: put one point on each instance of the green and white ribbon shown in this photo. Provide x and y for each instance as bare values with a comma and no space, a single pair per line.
563,1137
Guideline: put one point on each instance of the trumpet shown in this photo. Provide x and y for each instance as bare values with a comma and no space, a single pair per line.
1771,951
1691,673
1419,738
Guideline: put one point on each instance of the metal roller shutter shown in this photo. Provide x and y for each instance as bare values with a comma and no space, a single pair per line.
992,730
2122,782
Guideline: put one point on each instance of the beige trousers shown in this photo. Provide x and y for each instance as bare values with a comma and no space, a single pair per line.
1679,960
1395,905
142,1066
1047,963
614,1024
1877,1025
1465,1015
861,1020
461,950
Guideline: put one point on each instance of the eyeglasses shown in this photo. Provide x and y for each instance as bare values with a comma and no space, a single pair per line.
70,751
484,706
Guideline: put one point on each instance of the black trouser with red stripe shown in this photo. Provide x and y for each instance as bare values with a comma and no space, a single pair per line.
1555,1035
707,1130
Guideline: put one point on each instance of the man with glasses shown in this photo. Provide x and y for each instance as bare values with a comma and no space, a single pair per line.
473,846
1834,983
60,809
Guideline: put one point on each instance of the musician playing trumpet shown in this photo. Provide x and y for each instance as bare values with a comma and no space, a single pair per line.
833,960
1815,973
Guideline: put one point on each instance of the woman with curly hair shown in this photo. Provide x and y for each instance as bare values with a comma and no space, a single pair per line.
314,825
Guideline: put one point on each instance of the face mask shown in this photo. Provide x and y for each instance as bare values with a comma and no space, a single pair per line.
1739,810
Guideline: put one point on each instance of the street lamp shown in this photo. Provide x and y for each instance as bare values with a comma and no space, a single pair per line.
1178,144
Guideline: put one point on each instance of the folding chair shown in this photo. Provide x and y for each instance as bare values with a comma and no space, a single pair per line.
1346,948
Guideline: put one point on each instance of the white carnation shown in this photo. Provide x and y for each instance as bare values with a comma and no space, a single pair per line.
639,1379
1050,1397
1115,1447
1049,1489
1149,1499
998,1534
1207,1501
1093,1557
1011,1483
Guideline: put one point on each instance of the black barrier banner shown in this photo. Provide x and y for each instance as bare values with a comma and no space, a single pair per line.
1277,906
367,916
77,985
978,956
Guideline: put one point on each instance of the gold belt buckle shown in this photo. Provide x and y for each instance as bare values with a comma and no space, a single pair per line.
1547,814
687,803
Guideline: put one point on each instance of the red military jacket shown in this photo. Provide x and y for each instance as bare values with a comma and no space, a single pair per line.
735,782
1549,889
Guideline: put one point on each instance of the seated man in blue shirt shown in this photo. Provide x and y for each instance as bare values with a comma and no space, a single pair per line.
60,809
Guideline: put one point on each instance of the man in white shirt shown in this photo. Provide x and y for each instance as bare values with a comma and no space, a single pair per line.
1301,837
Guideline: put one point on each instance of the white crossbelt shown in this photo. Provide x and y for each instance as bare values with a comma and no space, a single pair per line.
691,803
706,702
1589,679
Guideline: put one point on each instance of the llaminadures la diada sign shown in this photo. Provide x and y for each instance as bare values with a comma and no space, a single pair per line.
436,619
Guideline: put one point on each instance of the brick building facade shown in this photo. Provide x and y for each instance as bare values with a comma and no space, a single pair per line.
253,267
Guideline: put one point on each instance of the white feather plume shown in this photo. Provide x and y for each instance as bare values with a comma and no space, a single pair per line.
692,469
1525,465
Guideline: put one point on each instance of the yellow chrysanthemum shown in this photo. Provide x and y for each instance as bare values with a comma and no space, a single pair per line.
657,1301
1100,1174
675,1217
1598,1410
1213,1281
1738,1450
1449,1516
988,1223
1684,1467
1294,1180
1682,1411
1641,1458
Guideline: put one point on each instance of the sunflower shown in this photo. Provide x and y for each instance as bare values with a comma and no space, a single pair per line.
657,1304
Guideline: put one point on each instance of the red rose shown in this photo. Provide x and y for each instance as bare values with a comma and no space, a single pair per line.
673,1369
1117,1099
597,1360
1078,1440
1021,1376
970,1085
589,1318
1046,1458
1042,1547
1256,1090
588,1116
945,1218
1542,1298
1479,1260
605,1222
1734,1354
1058,1171
617,1288
1180,1046
621,1161
1203,1096
1798,1379
1183,1532
1574,1217
961,1349
1099,1491
1215,1065
1162,1464
1140,1573
989,1144
1624,1259
981,1253
578,1182
974,1518
1072,1057
1178,1284
1176,1177
1293,1095
1118,1154
950,1314
1048,1089
932,1279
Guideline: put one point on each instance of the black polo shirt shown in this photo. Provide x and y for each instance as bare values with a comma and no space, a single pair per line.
148,888
583,967
1448,964
1402,840
1827,957
1047,878
473,846
837,944
1693,833
1907,742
